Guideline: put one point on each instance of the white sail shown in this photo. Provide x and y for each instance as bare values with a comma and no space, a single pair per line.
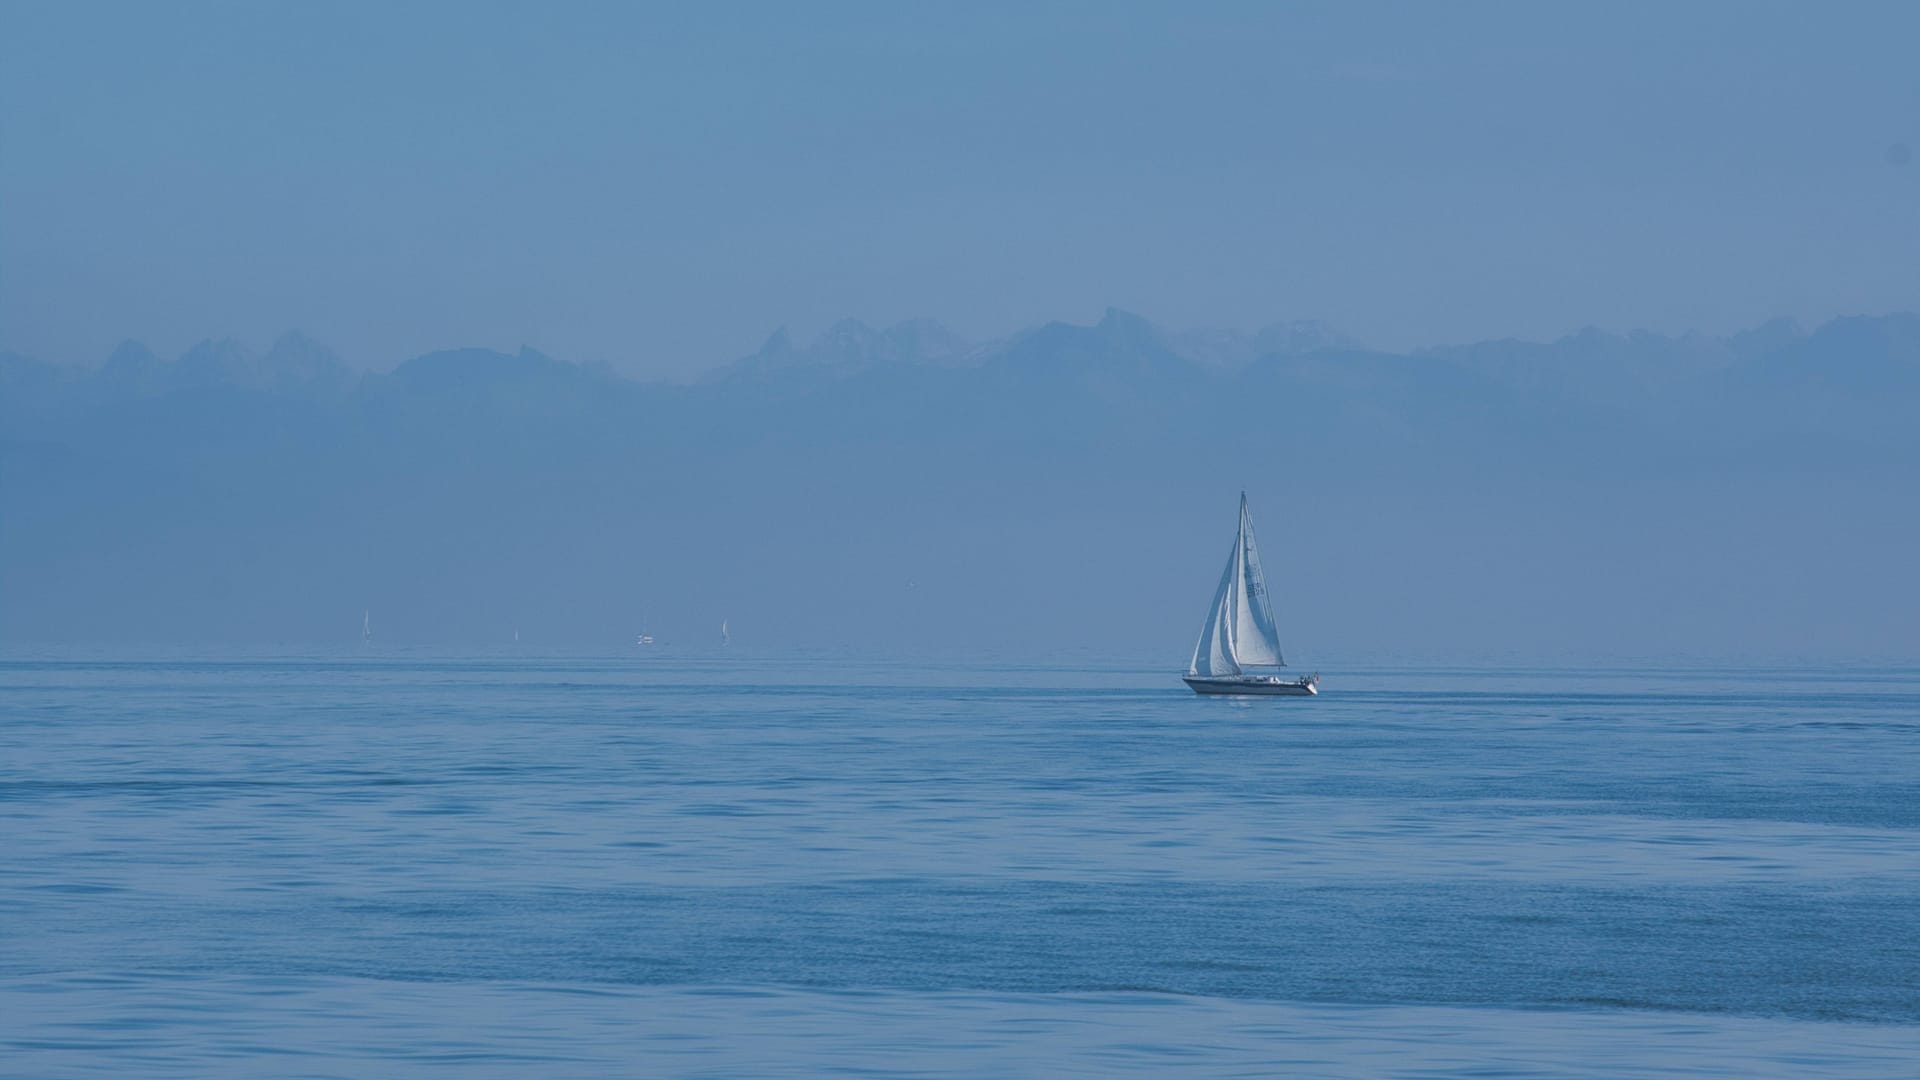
1213,653
1256,640
1239,631
723,632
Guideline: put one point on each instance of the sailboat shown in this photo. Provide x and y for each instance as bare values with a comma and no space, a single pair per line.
723,632
1239,649
366,626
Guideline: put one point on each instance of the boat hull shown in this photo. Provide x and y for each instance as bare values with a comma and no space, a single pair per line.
1264,685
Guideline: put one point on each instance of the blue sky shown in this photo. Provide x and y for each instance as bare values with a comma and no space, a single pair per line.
659,188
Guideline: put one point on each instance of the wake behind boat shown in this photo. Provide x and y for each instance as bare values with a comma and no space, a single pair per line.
1239,648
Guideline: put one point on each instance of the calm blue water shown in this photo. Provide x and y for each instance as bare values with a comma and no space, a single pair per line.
733,865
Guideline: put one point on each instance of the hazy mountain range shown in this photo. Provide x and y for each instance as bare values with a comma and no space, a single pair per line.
1066,488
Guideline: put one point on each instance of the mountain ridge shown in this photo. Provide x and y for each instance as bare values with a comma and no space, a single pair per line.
295,363
1066,483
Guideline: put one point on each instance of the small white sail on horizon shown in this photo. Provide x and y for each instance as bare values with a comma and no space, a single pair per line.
724,639
1240,632
366,625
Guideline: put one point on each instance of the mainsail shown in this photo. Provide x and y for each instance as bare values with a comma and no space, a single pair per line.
1239,631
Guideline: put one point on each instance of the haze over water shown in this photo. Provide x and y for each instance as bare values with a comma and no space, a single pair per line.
1566,355
361,864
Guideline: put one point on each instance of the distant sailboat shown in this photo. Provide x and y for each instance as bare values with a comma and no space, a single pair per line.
723,632
1239,649
366,627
